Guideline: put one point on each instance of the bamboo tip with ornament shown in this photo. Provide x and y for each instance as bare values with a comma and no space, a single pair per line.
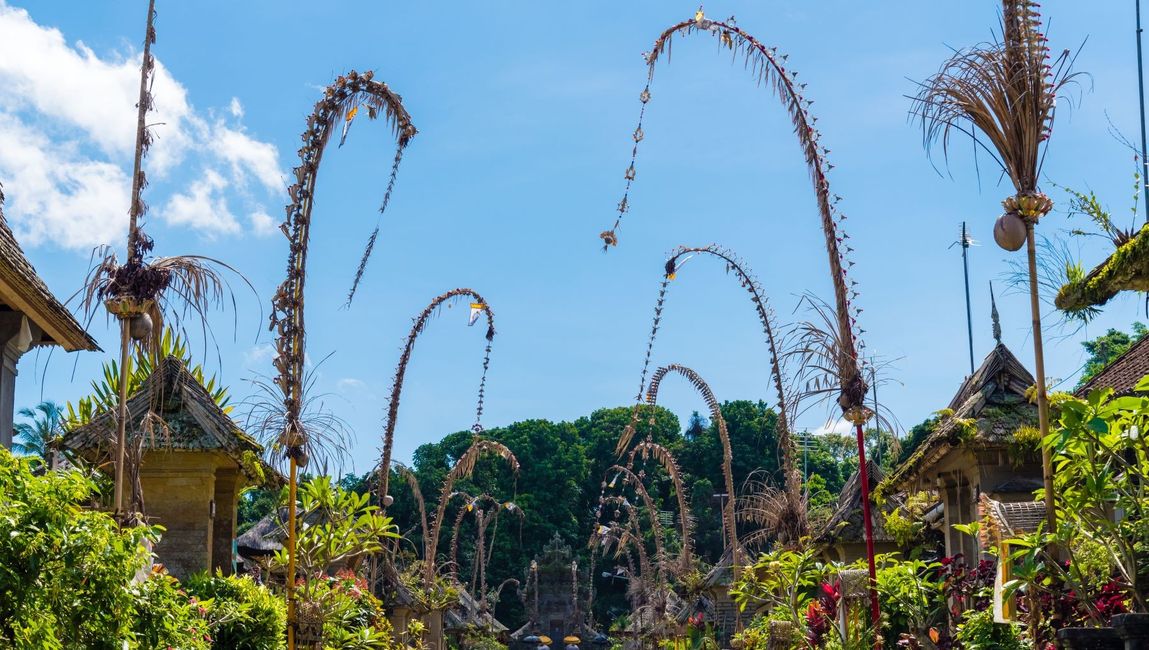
1021,212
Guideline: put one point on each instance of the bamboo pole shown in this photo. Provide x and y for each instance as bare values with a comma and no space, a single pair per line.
292,491
1039,367
122,417
859,417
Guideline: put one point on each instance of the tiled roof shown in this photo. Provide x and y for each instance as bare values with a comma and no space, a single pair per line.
25,291
1002,521
1123,373
992,400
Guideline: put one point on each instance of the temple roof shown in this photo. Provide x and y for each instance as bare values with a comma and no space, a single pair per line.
24,291
987,409
1123,373
192,421
846,523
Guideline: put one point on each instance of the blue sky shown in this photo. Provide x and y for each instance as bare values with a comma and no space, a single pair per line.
525,112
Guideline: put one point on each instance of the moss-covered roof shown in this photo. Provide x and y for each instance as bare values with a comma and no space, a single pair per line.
192,421
988,408
1127,269
846,524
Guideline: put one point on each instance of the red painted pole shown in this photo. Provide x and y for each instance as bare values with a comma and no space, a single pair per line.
864,477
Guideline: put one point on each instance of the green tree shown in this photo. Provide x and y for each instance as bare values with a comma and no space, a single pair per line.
34,438
1104,349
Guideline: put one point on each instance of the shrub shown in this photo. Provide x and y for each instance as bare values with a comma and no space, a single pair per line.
978,631
65,571
166,616
243,615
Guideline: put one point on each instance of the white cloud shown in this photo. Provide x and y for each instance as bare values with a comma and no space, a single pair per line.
202,207
262,223
259,356
67,133
840,426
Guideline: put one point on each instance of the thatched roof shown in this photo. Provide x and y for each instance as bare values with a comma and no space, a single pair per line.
1123,373
265,537
24,291
468,614
988,408
847,524
191,418
1127,269
1003,521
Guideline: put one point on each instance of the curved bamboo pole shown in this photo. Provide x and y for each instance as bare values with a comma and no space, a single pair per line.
727,457
792,480
462,469
768,66
417,328
633,480
340,102
650,449
769,69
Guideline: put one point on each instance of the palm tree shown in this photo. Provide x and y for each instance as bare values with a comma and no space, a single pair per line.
1007,91
340,104
35,438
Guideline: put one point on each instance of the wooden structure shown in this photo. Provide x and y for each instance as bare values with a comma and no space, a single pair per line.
976,449
30,316
193,462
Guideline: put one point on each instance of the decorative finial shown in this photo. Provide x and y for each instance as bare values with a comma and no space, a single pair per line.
994,316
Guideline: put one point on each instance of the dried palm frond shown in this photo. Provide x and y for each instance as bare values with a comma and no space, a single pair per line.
341,101
327,435
769,69
775,516
1006,90
814,346
420,324
707,395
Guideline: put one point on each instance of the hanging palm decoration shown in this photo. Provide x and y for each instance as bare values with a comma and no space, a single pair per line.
1006,91
768,68
341,103
145,290
478,306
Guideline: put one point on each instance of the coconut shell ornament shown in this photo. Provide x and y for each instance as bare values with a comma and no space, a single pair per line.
1009,231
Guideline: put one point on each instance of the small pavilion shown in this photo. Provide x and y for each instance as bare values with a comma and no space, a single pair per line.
193,462
976,449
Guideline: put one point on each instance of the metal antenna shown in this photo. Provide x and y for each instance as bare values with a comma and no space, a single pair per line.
1141,100
965,242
